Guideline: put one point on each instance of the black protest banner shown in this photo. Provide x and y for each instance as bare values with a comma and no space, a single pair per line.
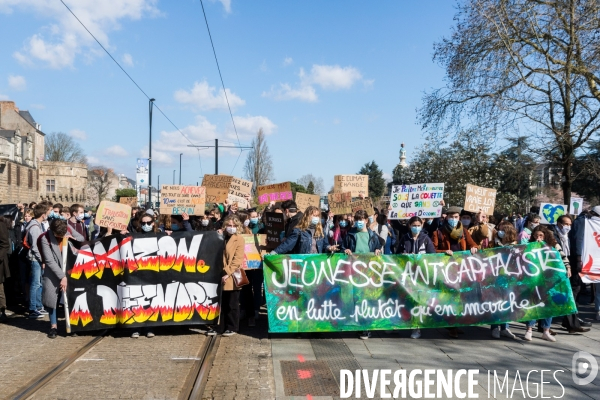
274,227
144,280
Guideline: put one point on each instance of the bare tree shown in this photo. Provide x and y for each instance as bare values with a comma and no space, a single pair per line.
259,167
62,147
522,66
100,181
318,182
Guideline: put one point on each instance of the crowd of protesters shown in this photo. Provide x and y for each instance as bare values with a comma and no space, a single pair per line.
30,244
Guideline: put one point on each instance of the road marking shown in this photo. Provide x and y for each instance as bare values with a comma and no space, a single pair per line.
185,358
90,359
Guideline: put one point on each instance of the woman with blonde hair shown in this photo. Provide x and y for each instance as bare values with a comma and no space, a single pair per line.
307,237
233,259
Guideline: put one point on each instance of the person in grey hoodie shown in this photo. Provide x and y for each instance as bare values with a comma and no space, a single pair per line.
33,231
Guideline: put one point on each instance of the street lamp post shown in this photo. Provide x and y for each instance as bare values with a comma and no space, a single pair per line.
174,176
150,106
158,189
180,154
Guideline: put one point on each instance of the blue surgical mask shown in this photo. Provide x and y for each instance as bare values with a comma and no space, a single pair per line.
371,219
501,234
147,228
343,224
86,215
429,222
254,221
452,222
315,220
174,227
415,230
360,225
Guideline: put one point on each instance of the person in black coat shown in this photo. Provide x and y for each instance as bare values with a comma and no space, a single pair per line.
4,268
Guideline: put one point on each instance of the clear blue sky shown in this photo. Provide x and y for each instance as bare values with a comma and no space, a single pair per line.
334,84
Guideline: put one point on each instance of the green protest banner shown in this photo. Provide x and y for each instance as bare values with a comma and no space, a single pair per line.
324,293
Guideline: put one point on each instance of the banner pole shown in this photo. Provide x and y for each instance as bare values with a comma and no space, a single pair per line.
65,248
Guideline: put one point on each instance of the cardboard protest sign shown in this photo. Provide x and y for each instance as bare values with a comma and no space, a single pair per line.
274,192
113,215
480,199
303,201
217,187
358,298
590,255
172,280
421,200
355,184
254,250
130,201
238,190
274,227
179,199
550,213
364,204
340,203
576,206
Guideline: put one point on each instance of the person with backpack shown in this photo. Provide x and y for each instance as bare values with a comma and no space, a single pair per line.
30,242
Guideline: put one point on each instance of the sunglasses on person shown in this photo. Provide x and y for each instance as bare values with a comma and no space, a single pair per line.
147,223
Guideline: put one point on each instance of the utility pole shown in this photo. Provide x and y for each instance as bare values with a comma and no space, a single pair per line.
216,146
150,106
180,154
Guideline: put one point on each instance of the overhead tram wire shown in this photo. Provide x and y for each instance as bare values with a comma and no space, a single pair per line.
222,85
129,76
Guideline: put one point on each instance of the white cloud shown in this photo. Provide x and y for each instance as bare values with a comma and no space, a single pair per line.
387,177
204,97
93,160
286,92
78,134
287,61
116,150
128,60
62,39
331,77
3,97
17,82
249,125
226,5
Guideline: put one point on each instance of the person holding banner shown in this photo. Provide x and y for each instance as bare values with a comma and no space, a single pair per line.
532,221
482,231
416,242
339,231
307,237
233,259
55,280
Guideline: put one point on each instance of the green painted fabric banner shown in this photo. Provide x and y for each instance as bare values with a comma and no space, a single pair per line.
324,293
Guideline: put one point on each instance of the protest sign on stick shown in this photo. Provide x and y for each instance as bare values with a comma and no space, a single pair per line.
238,191
274,192
340,203
576,205
113,215
217,187
421,200
130,201
303,201
179,199
355,184
274,227
364,204
480,199
550,213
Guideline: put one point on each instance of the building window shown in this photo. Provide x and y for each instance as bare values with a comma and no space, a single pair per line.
18,176
9,176
30,178
50,185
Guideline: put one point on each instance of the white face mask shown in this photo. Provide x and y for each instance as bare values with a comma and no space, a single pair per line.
565,229
231,230
147,228
247,222
204,222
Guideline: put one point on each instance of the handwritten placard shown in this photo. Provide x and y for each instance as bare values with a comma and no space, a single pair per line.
480,199
113,215
275,192
364,204
180,199
217,187
303,201
340,203
274,227
355,184
130,201
421,200
254,250
238,191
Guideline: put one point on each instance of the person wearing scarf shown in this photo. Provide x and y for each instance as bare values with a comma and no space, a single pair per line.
450,237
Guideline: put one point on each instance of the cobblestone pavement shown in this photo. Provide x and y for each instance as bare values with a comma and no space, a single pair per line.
26,352
243,367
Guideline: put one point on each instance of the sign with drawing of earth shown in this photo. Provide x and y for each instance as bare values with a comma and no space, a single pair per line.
550,213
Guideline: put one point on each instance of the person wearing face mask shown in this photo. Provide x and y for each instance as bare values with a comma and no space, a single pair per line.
252,293
466,219
415,242
337,234
32,233
450,237
307,237
216,218
76,221
233,259
482,231
293,217
532,222
204,224
254,224
55,280
243,216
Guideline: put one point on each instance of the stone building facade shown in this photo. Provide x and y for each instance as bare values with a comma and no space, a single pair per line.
63,182
21,149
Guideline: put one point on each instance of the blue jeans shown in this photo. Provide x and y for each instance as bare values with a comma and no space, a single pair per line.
503,327
597,297
52,311
35,288
546,323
